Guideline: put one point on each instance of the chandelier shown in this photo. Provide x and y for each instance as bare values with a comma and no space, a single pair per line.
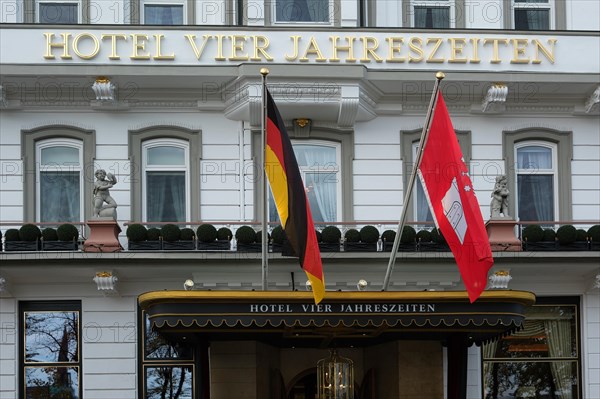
335,377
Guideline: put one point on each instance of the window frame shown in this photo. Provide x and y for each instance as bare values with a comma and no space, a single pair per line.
136,10
166,142
144,3
334,16
135,170
525,5
38,13
49,306
557,16
553,171
457,20
31,10
564,156
29,140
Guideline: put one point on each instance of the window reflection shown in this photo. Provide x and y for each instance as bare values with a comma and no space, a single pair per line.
52,382
166,382
51,337
156,347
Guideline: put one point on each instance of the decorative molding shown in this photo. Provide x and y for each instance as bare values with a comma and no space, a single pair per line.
539,108
539,126
104,90
500,279
592,105
349,101
156,124
57,123
495,99
106,282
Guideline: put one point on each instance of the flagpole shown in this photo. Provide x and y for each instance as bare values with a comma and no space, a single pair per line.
264,195
424,134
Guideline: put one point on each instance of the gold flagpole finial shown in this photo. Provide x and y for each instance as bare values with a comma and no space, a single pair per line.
440,75
264,71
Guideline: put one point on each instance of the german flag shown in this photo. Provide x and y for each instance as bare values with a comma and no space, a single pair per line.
290,199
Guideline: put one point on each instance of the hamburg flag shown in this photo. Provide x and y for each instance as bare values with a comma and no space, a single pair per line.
453,202
290,199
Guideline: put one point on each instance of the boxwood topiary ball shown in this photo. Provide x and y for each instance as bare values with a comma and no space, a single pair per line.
319,236
224,233
549,235
352,235
388,236
331,235
278,235
12,235
581,235
153,234
170,232
369,234
409,235
206,232
533,233
29,232
566,234
245,235
437,237
49,234
424,236
67,232
593,233
259,236
187,234
136,232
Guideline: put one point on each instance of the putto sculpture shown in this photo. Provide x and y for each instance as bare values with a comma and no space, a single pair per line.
104,204
499,204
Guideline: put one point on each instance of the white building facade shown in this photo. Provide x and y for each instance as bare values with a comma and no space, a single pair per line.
166,96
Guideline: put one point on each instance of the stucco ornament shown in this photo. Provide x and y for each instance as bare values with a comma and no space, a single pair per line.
104,204
499,204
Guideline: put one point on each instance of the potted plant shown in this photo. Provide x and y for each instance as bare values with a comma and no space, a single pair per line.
207,236
278,238
593,235
27,238
364,240
64,238
330,239
138,238
246,240
536,238
425,241
407,240
569,239
438,238
172,239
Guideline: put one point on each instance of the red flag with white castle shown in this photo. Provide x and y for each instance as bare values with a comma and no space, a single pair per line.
449,190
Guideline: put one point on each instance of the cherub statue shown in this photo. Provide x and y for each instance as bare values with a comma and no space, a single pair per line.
104,204
499,204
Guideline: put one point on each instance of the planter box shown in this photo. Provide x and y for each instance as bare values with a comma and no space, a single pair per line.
329,246
253,247
219,245
412,247
179,245
432,247
60,246
144,245
595,245
575,246
360,247
541,246
22,245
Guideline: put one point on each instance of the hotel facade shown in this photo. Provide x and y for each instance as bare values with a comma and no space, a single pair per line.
166,98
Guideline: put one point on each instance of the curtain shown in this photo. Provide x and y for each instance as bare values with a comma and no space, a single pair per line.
558,333
165,197
423,211
432,17
60,197
535,190
302,10
163,15
322,183
532,19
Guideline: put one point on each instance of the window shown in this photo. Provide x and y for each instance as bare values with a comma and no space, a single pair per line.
50,343
165,187
432,14
536,181
538,164
302,11
164,13
532,14
540,361
319,167
59,180
55,161
63,12
421,207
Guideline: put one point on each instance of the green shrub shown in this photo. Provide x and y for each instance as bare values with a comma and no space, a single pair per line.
259,236
424,236
369,234
593,233
224,233
533,233
153,234
278,234
581,235
409,235
245,235
12,235
206,232
331,235
437,237
187,234
49,234
29,232
352,235
388,236
549,235
67,232
170,232
319,236
566,234
136,232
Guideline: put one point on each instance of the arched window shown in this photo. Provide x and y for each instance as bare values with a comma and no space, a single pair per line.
165,185
536,181
59,180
